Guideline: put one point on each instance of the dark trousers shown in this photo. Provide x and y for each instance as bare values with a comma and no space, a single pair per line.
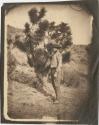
56,81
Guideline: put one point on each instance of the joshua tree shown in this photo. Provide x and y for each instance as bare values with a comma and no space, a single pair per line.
36,31
39,28
35,35
61,34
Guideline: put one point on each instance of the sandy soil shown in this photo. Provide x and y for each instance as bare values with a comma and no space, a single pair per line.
24,101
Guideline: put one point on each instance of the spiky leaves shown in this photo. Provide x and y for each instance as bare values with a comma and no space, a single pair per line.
42,13
35,15
42,28
62,34
27,28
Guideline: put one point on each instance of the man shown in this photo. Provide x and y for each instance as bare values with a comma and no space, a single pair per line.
56,73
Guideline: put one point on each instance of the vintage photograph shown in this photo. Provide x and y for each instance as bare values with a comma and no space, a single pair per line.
46,61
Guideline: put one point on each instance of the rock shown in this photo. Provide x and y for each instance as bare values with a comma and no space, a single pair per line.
20,56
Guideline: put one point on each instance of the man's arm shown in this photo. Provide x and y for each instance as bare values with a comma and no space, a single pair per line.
59,61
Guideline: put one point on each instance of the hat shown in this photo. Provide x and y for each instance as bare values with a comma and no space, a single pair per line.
52,45
56,46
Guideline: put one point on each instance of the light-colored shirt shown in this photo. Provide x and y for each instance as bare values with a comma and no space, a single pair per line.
56,60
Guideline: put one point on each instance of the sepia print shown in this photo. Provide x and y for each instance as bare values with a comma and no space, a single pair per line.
46,61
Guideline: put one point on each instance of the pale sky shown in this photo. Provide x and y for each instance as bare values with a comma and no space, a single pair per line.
79,21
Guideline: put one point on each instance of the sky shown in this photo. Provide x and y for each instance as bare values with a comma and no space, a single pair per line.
79,21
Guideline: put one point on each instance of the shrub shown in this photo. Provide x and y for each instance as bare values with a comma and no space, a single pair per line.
11,64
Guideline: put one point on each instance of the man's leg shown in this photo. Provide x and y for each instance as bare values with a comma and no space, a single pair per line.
55,83
53,70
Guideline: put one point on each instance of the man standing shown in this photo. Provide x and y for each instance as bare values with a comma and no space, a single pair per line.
56,72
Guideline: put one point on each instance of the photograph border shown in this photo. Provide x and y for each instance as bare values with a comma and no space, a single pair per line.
94,9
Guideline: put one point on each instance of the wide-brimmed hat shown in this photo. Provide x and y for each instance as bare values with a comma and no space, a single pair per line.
56,46
53,45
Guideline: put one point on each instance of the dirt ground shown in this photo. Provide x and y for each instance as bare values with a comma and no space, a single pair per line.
26,102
